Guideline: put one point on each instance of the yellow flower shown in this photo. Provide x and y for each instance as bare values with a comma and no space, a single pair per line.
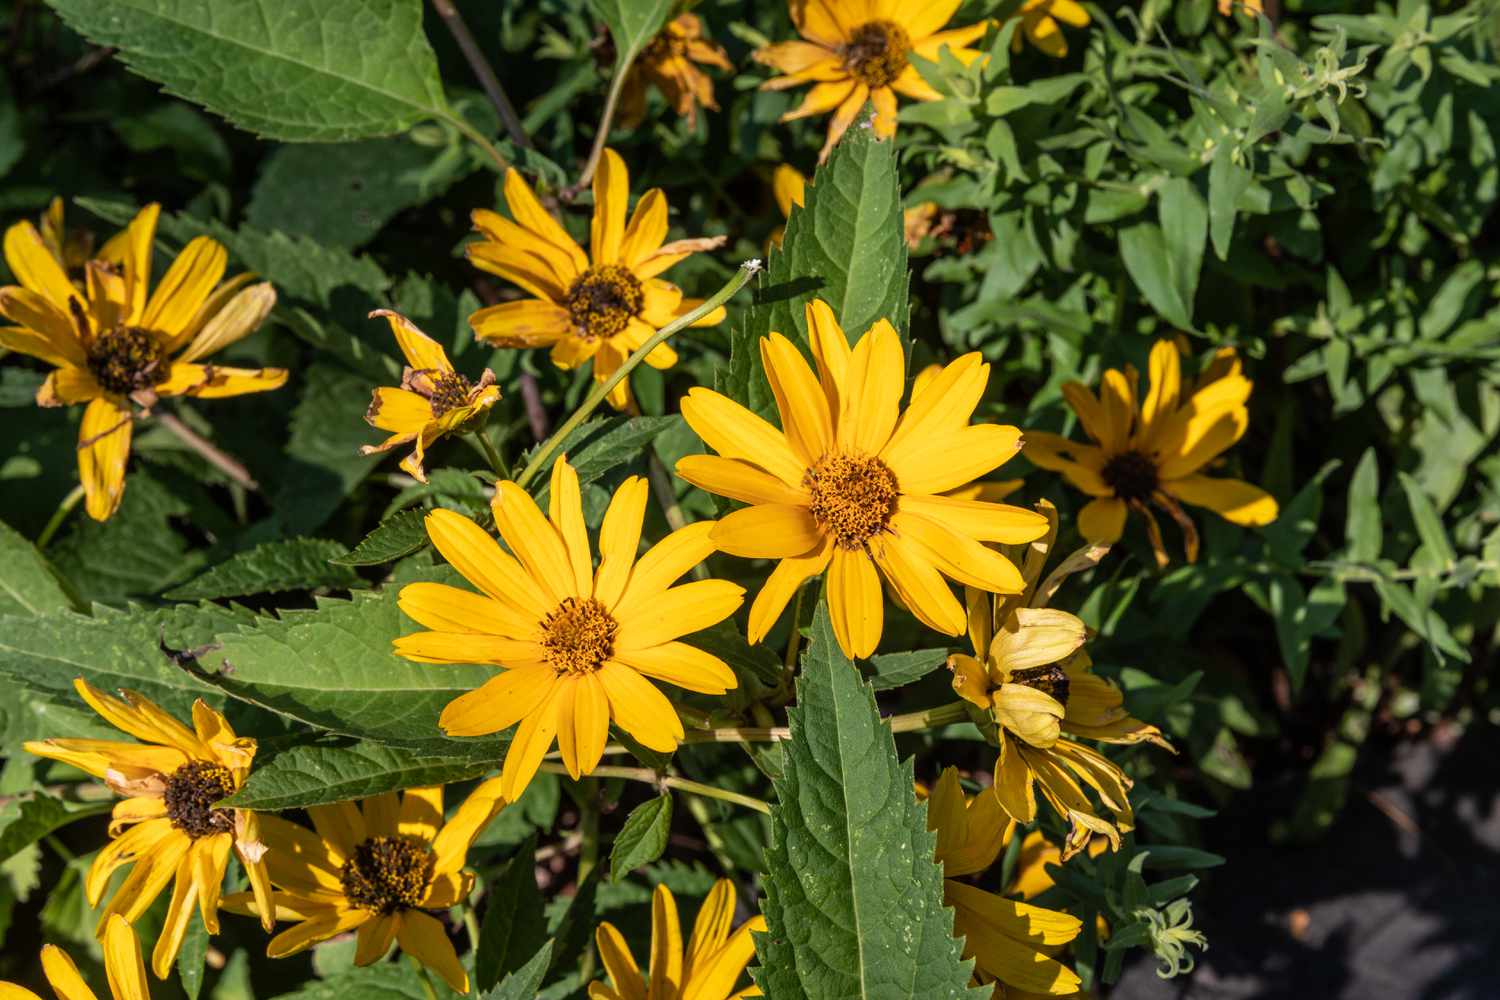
171,782
670,62
852,485
122,966
859,50
1156,454
599,306
1011,943
376,866
714,961
575,643
1253,7
1031,678
433,399
114,346
1039,24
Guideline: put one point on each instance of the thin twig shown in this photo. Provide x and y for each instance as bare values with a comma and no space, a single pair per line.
615,86
220,460
481,67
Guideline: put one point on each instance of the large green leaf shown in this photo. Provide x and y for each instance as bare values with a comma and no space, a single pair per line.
847,246
514,925
333,667
315,774
25,821
296,70
598,446
28,583
382,981
273,567
854,901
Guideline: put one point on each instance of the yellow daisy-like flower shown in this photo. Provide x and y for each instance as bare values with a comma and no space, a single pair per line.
375,866
575,643
852,485
122,965
670,62
1154,451
433,399
171,781
116,347
1039,25
1012,943
1031,678
859,50
714,961
598,306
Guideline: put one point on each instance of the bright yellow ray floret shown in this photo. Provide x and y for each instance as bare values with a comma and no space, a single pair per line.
122,965
575,643
852,485
1040,25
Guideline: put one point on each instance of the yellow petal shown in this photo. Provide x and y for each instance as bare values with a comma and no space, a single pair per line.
855,602
481,561
147,878
647,229
341,825
957,458
1165,371
210,859
1032,715
451,845
872,399
789,574
737,480
52,335
62,975
186,285
611,192
103,450
804,408
423,938
957,555
822,98
499,702
123,966
711,926
527,270
532,739
978,519
830,350
1035,637
527,323
788,185
421,812
666,944
735,432
768,531
304,935
639,708
565,510
135,259
662,565
590,722
179,912
35,267
678,611
1233,499
843,118
449,609
919,585
527,211
374,938
620,540
1102,520
942,405
535,541
615,955
683,665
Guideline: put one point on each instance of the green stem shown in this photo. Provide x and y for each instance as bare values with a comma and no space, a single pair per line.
477,138
911,722
497,464
59,516
602,389
426,980
615,86
650,777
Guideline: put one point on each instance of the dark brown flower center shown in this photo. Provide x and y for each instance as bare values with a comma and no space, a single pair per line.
192,790
387,874
1131,475
603,299
450,390
578,635
1050,679
876,53
853,497
127,359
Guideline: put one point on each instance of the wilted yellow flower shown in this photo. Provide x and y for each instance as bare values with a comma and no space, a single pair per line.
117,348
122,965
1031,678
851,484
376,866
1011,943
433,398
1154,452
670,61
714,961
598,306
1256,7
859,50
1039,25
171,782
575,644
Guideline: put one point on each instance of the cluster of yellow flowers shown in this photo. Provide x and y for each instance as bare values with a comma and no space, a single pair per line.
884,499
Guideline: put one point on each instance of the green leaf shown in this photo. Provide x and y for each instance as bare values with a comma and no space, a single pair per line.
333,667
399,535
1164,261
25,821
523,983
600,445
854,901
383,981
28,583
314,774
846,245
643,838
270,568
632,24
892,670
1227,181
323,461
1362,529
1429,524
191,958
295,70
514,925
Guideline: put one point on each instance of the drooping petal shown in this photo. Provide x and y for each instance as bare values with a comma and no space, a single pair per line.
855,602
423,938
103,450
1233,499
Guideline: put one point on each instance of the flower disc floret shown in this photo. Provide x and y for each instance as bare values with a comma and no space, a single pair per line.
191,792
603,299
450,390
127,359
578,636
1050,679
876,53
387,874
853,497
1131,475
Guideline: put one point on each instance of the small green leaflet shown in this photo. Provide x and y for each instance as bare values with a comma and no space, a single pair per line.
643,837
399,535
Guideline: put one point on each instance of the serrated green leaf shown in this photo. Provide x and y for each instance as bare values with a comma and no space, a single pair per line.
523,983
28,583
384,981
25,821
514,926
315,774
643,838
846,245
854,901
1362,529
892,670
333,667
270,568
399,535
600,445
295,70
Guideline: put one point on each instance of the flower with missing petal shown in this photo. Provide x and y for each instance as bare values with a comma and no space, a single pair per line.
597,306
854,51
433,399
171,782
1039,25
852,485
122,966
118,348
1031,680
575,643
1012,943
1155,451
670,63
378,867
714,961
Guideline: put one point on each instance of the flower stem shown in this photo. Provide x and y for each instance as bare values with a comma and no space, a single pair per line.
497,464
601,389
59,516
650,777
610,102
911,722
481,67
225,463
426,980
477,138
